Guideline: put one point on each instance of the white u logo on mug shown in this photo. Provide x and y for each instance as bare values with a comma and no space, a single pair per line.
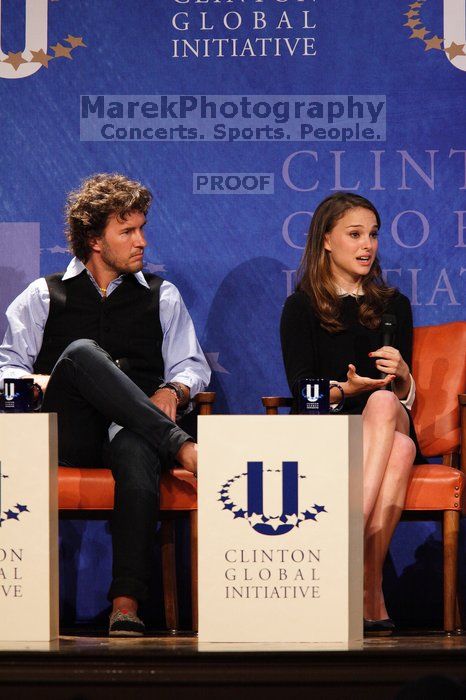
312,392
9,391
35,39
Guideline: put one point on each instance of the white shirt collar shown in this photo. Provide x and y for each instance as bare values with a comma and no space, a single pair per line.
77,266
343,293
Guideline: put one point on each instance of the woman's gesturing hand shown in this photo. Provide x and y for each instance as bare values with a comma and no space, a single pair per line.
356,384
389,360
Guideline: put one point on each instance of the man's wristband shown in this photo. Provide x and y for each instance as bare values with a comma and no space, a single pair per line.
177,390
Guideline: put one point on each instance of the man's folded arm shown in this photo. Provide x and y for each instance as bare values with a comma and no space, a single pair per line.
183,358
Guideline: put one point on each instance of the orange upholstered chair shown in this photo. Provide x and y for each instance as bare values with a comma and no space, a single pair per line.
435,490
82,490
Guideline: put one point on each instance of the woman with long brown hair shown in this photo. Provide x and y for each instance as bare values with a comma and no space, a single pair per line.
330,328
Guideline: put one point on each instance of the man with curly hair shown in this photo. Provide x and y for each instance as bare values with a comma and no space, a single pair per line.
116,352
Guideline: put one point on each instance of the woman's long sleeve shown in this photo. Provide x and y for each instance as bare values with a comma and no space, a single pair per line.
298,341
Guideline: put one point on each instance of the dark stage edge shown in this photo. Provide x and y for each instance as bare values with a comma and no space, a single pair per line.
85,667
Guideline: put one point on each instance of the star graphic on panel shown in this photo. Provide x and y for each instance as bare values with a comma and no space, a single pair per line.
57,249
75,41
228,506
14,59
22,509
255,519
223,498
415,4
455,50
274,523
412,23
419,33
239,513
434,43
11,515
215,366
41,57
154,267
309,516
411,14
319,509
291,519
62,51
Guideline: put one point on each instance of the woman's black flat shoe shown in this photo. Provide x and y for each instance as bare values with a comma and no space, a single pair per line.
379,627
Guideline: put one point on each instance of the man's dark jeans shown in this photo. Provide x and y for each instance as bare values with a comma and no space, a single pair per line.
88,392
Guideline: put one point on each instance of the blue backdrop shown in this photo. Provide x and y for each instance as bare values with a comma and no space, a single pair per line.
285,101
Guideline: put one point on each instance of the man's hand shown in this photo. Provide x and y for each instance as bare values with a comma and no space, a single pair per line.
166,401
356,384
187,456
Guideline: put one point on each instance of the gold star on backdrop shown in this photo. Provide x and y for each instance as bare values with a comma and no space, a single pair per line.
75,41
41,57
455,50
412,23
415,4
62,51
434,43
14,59
411,13
419,33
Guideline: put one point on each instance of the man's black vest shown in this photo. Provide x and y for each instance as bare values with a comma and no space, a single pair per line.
126,325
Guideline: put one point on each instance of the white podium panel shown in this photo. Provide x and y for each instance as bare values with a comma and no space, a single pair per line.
280,531
28,527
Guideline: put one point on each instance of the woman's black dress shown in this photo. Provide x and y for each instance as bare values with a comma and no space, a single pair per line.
309,351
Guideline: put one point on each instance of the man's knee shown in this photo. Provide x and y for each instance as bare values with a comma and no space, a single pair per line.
134,461
79,349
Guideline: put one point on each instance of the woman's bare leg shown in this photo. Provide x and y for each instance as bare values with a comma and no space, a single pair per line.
382,417
382,522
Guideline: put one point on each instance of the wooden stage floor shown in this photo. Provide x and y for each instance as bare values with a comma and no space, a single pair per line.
92,666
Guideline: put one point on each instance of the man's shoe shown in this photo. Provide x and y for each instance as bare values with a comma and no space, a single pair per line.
124,623
380,628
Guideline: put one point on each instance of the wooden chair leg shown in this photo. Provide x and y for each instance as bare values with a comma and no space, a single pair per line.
194,579
170,595
451,523
458,615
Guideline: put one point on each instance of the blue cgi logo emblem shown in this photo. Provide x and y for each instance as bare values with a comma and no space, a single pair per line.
250,505
13,513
